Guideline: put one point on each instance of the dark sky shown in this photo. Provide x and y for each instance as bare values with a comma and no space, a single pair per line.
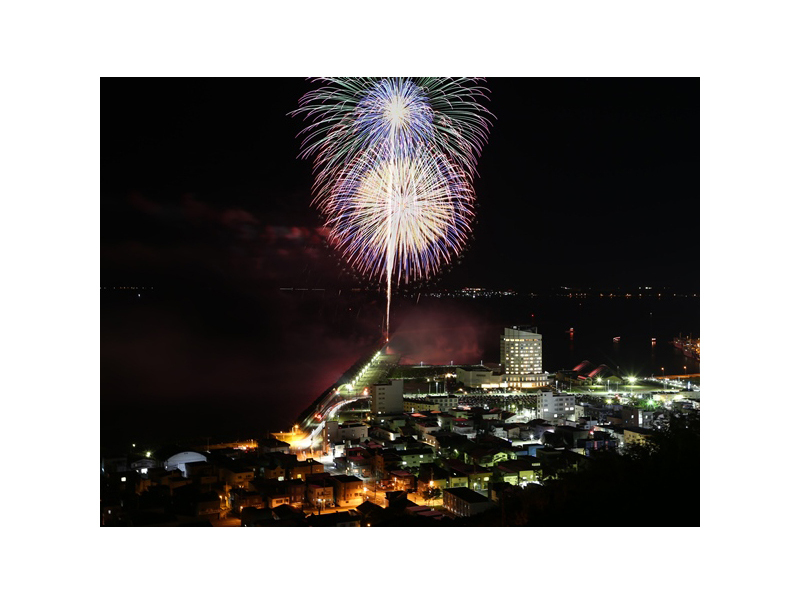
583,182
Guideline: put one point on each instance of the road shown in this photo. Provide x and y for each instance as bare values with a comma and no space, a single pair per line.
374,371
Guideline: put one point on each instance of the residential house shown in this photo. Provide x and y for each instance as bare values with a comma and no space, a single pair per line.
519,472
269,445
320,490
347,489
465,502
402,480
241,498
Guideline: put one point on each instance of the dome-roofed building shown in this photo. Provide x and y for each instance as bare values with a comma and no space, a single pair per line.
178,461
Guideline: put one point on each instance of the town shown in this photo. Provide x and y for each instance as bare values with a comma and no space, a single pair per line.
408,445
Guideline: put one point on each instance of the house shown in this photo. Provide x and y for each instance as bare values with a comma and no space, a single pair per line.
277,492
276,500
269,445
383,462
270,467
397,500
301,469
358,462
241,498
426,426
371,514
347,490
349,431
384,433
190,500
419,404
464,502
636,435
415,457
571,435
203,473
457,479
507,431
320,490
478,477
527,449
488,457
296,489
598,440
432,476
447,442
402,480
143,464
519,472
637,417
236,475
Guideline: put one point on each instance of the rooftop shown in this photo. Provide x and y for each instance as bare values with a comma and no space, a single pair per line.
467,495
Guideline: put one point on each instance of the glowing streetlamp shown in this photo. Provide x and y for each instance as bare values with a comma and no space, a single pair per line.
631,381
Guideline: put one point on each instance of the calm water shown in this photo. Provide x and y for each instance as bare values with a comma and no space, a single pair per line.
167,377
471,329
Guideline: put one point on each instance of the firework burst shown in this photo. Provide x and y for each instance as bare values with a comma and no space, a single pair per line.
393,162
392,116
407,216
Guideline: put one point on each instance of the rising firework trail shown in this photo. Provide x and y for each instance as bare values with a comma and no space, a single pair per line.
393,162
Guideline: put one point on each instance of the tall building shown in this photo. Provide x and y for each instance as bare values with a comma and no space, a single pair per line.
521,357
387,397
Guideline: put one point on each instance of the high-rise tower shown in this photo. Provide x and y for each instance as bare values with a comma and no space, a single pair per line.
521,357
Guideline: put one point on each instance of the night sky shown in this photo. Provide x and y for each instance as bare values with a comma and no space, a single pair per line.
584,182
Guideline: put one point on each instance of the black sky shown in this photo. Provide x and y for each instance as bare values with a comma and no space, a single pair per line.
583,182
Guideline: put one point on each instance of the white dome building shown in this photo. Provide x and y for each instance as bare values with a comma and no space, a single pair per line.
178,461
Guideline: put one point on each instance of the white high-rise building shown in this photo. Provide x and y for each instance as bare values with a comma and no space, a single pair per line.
521,357
387,397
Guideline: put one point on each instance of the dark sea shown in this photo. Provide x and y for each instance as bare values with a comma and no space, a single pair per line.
169,374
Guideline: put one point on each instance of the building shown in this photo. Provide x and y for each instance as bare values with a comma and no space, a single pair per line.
349,431
521,357
320,490
302,469
415,457
419,405
403,480
347,490
636,435
178,461
554,406
236,475
637,417
479,376
268,445
519,472
572,436
387,397
465,502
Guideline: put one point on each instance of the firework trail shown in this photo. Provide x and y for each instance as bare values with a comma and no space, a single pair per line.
405,216
393,163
